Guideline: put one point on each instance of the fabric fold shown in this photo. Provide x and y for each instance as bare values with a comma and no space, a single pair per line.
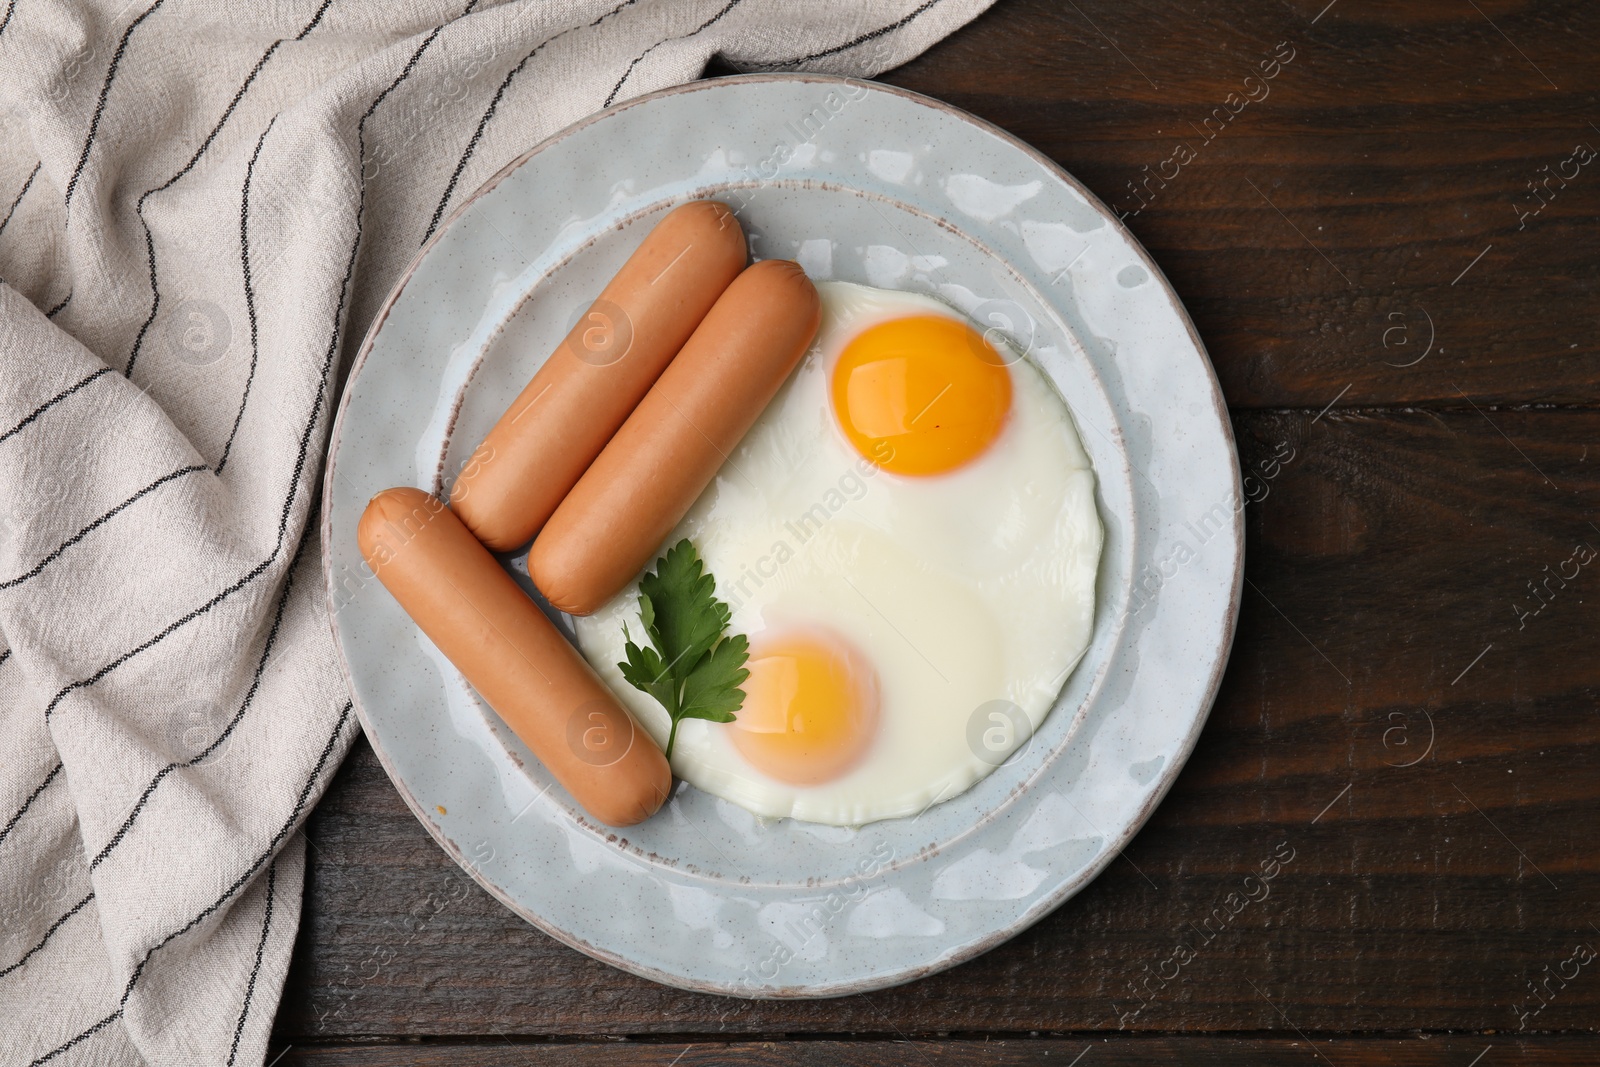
201,209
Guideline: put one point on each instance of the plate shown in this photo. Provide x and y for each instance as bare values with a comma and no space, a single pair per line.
859,182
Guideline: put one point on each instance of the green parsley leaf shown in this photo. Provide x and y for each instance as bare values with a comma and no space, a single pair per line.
645,671
712,689
689,668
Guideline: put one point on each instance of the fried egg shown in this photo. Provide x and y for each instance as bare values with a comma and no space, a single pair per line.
908,536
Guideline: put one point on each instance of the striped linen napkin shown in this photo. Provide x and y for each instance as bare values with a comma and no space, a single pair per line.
201,207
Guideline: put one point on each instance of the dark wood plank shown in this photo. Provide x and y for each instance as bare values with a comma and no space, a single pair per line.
1386,555
1090,1051
1394,148
1390,616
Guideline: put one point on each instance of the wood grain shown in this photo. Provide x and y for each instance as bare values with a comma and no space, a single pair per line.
1386,555
1410,705
1388,153
1089,1051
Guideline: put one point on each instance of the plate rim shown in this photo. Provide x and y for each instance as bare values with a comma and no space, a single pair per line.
1047,903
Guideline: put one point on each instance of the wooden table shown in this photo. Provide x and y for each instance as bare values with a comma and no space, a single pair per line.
1393,258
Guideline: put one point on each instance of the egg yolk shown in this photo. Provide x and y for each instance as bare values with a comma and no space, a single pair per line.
810,709
921,395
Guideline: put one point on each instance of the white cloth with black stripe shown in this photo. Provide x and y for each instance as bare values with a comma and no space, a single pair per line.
174,330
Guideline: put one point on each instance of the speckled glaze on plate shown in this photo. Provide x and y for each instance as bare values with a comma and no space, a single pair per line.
864,183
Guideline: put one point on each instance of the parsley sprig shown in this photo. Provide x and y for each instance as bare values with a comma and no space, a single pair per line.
689,667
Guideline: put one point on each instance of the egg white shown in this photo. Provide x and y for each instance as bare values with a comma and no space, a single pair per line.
961,589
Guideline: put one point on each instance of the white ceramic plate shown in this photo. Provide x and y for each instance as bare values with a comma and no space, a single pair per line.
862,183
